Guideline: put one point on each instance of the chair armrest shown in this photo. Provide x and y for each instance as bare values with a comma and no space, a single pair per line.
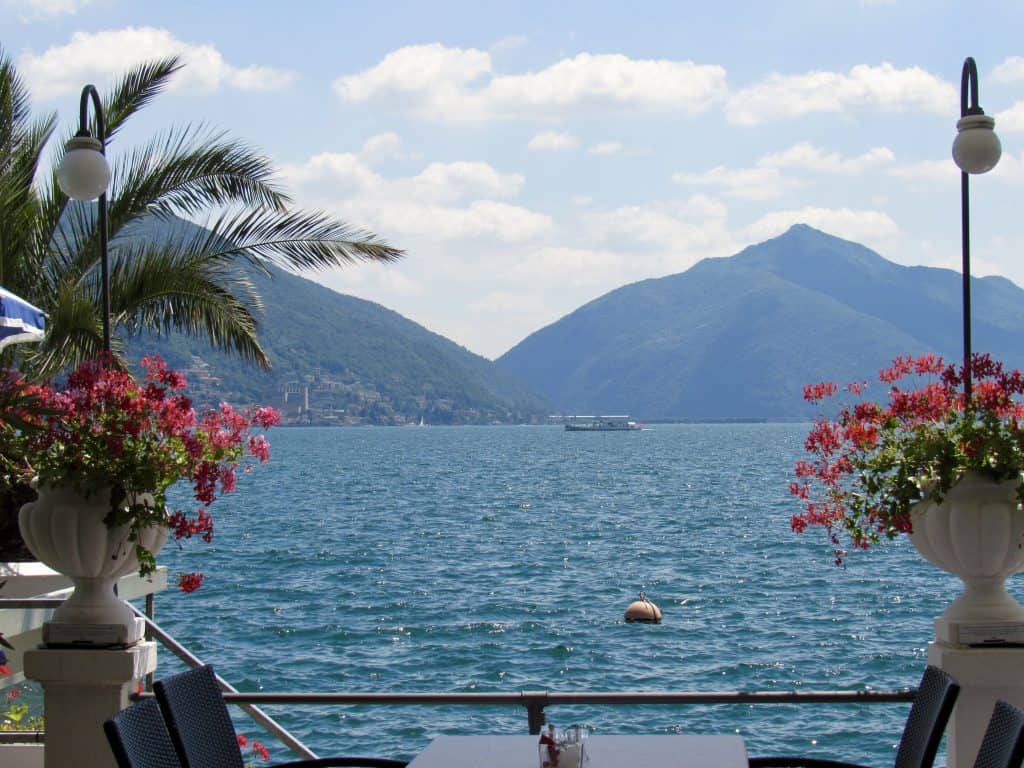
342,762
794,761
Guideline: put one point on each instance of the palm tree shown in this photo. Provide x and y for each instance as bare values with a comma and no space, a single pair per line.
193,281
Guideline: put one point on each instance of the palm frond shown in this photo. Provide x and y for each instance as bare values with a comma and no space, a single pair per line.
191,280
297,240
178,288
136,89
74,331
14,106
189,170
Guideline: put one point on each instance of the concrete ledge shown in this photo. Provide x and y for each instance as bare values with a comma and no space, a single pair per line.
21,755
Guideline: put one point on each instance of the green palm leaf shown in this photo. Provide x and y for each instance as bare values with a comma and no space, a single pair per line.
192,281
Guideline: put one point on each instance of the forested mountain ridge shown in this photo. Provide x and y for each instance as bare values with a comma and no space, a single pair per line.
338,359
738,337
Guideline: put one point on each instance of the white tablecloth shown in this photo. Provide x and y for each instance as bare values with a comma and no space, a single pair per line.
604,751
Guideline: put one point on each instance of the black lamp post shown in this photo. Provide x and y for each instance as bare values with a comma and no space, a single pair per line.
83,174
976,149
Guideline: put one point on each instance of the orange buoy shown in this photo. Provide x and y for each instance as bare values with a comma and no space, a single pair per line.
643,610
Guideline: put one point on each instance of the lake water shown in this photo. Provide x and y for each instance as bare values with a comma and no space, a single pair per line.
503,558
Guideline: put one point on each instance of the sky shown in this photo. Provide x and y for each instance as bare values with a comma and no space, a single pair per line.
532,156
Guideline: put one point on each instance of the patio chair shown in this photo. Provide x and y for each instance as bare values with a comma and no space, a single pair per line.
139,738
1003,743
203,734
922,733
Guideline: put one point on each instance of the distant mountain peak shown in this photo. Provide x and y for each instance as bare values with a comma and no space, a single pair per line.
804,232
738,337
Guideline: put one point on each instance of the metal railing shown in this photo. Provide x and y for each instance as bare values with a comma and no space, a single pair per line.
535,702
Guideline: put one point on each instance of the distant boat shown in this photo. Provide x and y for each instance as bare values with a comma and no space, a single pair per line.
600,424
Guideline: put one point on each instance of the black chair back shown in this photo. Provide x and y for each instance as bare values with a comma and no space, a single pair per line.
198,719
1003,743
139,738
203,734
927,720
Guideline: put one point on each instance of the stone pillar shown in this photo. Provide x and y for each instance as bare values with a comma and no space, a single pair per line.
81,689
984,674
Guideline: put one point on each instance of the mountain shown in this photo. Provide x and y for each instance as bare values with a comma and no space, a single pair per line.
739,337
355,361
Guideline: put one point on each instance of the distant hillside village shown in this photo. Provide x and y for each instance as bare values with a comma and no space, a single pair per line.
319,399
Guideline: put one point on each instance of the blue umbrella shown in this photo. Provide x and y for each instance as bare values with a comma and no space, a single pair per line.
19,320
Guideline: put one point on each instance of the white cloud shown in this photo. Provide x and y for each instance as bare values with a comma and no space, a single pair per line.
451,181
765,180
509,43
1010,168
873,228
811,158
1011,119
445,201
702,208
606,148
343,174
392,282
576,266
671,226
426,69
883,88
553,141
382,145
102,56
482,219
927,171
1010,71
451,84
505,303
759,183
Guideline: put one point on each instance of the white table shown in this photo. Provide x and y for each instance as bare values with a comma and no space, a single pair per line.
604,751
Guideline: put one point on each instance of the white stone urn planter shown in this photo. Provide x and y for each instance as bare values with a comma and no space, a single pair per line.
976,533
65,530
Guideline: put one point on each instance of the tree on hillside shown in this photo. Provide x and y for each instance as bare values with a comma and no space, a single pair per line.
193,281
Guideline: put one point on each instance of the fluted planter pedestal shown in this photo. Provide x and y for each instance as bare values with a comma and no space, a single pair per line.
976,533
65,530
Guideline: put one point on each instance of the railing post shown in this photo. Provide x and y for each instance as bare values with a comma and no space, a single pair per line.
534,701
151,615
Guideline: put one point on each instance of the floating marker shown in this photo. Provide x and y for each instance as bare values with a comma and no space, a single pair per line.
644,611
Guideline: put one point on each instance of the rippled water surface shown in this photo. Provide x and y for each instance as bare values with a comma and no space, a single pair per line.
502,559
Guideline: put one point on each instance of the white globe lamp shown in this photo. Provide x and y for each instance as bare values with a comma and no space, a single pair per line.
83,174
976,148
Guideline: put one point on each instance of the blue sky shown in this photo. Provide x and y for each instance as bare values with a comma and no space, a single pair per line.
531,156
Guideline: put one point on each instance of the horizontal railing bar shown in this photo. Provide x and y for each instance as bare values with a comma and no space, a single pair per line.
257,714
553,698
30,602
22,737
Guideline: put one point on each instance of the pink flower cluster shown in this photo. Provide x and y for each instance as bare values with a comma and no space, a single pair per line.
105,430
257,748
873,462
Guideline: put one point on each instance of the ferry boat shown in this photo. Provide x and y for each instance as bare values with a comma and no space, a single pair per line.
600,424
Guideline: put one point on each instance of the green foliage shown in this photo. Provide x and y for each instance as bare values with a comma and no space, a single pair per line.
392,371
49,246
872,463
